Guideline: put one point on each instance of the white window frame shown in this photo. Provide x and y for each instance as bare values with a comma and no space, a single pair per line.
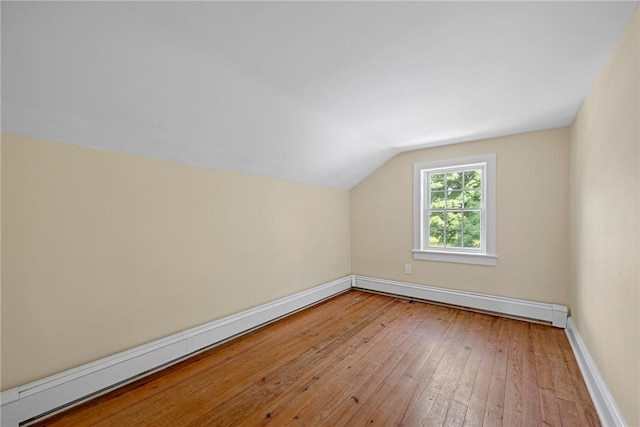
486,254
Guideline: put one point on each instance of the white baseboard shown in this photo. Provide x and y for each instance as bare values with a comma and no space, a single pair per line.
554,314
30,400
606,407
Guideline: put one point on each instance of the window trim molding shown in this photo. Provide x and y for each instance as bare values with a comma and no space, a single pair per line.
488,256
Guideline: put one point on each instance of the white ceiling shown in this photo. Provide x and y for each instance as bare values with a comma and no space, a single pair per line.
312,92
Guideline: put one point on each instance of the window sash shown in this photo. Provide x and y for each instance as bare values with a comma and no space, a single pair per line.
426,210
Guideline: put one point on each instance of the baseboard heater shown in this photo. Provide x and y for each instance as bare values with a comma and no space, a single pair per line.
552,314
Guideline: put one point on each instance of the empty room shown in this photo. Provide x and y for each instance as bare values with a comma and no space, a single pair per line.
320,213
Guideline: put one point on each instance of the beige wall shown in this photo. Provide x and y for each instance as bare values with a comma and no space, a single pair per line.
106,251
605,238
531,210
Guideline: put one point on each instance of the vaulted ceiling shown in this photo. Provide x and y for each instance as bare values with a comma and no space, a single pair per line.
312,92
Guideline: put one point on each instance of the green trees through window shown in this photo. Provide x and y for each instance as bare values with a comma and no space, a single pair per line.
454,208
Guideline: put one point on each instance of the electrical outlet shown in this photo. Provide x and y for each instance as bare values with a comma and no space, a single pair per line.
407,269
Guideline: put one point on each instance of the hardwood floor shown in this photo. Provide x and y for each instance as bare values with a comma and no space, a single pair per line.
363,359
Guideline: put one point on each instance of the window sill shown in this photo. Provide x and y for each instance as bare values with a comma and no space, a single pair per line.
459,257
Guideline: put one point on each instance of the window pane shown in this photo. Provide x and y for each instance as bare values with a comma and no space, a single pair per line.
454,239
472,220
472,179
454,181
437,182
471,238
436,220
436,237
454,199
472,199
437,200
454,220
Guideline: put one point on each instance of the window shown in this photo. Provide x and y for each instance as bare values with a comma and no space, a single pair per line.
454,210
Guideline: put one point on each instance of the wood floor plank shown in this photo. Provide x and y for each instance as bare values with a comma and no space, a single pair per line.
530,390
494,409
564,387
587,413
366,404
455,379
513,391
360,405
455,415
480,332
588,416
549,410
405,385
433,377
568,386
544,377
569,415
479,393
391,393
362,358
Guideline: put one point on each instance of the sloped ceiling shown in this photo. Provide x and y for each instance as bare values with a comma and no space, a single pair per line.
312,92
